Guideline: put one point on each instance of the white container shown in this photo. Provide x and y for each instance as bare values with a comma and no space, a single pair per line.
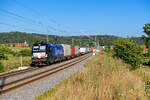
66,49
77,50
82,50
88,49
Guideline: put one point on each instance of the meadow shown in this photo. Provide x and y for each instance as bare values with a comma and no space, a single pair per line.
12,57
103,78
15,62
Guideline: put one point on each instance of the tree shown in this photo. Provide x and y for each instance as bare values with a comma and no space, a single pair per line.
1,68
25,52
129,51
4,51
147,39
35,40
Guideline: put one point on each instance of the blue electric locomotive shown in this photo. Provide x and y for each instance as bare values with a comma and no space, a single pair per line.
46,53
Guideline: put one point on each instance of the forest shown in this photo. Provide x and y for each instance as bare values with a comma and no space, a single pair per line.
82,40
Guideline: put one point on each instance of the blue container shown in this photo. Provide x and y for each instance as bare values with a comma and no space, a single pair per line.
57,50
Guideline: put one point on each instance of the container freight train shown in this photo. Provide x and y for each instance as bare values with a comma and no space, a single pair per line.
46,53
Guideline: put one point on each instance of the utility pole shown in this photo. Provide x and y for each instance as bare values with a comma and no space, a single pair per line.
72,41
95,41
47,35
80,44
98,43
47,38
55,39
21,60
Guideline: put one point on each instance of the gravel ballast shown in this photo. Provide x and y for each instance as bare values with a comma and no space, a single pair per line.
18,77
36,88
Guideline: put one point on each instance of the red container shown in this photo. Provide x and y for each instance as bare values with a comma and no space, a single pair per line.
93,49
145,49
101,49
72,50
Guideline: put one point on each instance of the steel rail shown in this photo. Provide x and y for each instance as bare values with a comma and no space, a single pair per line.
24,81
10,74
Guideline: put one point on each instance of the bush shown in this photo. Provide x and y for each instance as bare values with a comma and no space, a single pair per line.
1,68
129,51
4,51
25,52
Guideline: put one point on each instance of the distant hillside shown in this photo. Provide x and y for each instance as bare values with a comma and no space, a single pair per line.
17,37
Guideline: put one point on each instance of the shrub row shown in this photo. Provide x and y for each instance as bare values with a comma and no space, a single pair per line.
6,52
1,67
129,51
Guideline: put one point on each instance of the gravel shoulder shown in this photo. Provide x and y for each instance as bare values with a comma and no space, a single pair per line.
36,88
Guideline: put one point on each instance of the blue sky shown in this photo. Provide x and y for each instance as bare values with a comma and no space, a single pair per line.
75,17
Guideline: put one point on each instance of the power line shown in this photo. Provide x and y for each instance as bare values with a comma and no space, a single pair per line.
17,19
11,25
87,35
37,13
21,17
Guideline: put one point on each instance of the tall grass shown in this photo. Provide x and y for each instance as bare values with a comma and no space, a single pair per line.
14,62
145,78
103,78
13,58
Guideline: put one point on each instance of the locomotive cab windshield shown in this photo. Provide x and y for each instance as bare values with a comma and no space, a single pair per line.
39,48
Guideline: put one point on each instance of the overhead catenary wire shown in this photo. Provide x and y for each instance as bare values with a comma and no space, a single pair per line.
27,20
21,17
12,25
17,20
44,17
48,28
38,14
94,39
35,22
83,32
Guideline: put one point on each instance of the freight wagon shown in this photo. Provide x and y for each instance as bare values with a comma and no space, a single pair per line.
66,51
72,47
84,50
45,53
77,51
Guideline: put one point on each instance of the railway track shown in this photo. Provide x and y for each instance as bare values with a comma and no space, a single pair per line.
7,87
10,74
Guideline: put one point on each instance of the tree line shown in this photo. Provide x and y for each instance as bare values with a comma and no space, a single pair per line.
20,37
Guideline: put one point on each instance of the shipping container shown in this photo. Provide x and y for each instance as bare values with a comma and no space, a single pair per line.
83,49
72,50
66,49
57,50
93,49
88,49
76,50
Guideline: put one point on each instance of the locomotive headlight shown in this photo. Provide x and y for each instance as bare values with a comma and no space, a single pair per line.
46,55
